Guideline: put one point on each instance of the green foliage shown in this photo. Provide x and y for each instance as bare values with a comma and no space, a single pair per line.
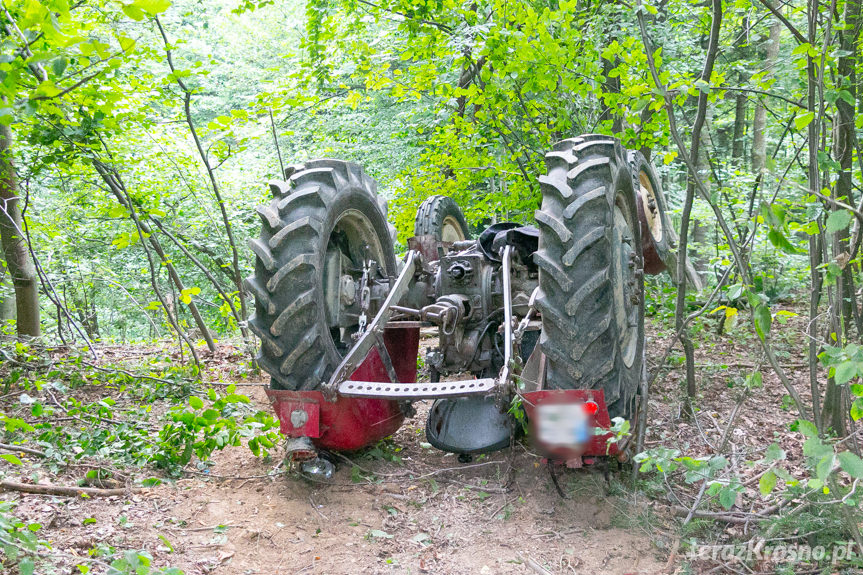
19,540
492,86
455,98
384,450
846,366
620,429
828,466
116,428
713,471
516,409
196,430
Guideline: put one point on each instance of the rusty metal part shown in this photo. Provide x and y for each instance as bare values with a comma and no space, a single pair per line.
300,449
447,312
405,310
430,247
653,264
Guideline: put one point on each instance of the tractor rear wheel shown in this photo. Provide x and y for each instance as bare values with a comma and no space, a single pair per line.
325,223
440,216
590,272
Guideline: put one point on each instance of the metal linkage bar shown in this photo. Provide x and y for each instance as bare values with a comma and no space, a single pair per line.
374,331
507,314
449,389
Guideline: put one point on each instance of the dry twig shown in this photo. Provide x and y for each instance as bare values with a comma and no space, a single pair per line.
65,491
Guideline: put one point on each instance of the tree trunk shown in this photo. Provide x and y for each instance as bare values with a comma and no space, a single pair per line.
740,109
837,398
700,117
741,100
759,122
15,249
611,85
7,296
82,305
112,179
699,242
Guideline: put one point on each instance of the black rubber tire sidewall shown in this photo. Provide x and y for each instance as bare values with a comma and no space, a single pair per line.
297,350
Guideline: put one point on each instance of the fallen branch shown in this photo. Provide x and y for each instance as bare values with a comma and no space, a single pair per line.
694,509
65,491
737,519
534,565
22,449
134,375
207,528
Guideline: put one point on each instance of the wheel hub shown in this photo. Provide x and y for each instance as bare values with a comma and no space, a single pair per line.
626,285
451,230
651,209
354,257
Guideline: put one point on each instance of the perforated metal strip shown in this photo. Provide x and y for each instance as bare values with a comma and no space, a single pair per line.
378,390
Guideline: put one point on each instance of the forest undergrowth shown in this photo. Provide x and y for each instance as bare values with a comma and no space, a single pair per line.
136,419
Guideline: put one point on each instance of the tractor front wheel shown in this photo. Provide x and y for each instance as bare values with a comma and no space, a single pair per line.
440,216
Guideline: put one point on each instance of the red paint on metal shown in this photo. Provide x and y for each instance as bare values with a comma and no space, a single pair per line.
350,423
293,401
653,264
598,444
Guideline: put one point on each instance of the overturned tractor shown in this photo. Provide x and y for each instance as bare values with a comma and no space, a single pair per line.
551,317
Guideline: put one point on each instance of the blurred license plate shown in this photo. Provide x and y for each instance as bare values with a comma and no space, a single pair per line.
562,424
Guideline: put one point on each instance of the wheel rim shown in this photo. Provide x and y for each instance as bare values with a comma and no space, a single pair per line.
352,242
651,208
625,282
451,230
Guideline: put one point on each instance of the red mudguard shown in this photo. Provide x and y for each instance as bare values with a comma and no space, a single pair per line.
347,424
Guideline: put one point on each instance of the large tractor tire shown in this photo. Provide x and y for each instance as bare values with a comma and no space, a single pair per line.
326,216
590,272
440,216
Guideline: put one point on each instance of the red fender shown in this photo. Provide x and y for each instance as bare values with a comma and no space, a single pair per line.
348,423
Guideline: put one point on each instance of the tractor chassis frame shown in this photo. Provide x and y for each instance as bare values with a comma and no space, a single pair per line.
370,392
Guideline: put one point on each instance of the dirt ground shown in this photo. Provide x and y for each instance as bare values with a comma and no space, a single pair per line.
408,508
427,513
